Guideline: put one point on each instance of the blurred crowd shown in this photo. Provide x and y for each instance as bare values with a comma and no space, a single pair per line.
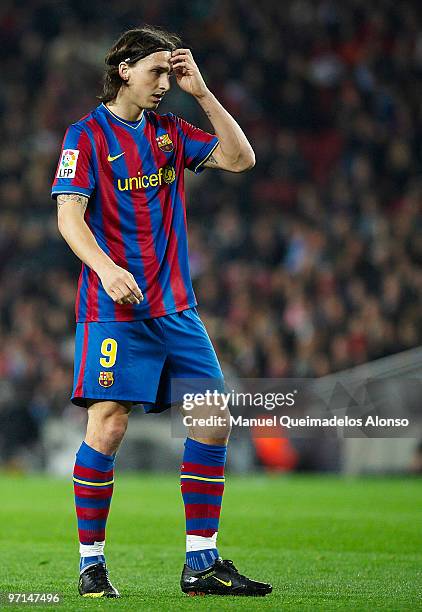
308,264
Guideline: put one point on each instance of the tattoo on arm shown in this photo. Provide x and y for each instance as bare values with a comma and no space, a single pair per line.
212,160
73,197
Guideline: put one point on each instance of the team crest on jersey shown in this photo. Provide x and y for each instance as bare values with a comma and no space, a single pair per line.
165,143
68,163
106,379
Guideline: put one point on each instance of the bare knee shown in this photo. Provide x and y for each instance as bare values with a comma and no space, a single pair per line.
114,428
219,434
209,424
107,424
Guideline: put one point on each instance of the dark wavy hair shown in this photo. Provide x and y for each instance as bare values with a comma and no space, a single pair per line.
130,47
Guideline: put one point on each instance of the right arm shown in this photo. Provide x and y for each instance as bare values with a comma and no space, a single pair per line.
118,283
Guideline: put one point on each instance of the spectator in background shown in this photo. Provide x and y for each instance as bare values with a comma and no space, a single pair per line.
309,264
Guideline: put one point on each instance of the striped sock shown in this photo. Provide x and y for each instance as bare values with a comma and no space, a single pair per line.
202,481
93,478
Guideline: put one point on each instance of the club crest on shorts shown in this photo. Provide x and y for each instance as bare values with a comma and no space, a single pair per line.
106,379
165,143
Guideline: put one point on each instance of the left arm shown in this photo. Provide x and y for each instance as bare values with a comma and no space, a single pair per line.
234,152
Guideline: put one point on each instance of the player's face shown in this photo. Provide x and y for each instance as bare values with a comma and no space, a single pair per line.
149,79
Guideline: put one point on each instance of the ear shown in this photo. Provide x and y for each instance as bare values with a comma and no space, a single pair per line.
124,71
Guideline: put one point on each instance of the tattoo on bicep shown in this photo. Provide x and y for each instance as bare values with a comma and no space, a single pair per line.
72,197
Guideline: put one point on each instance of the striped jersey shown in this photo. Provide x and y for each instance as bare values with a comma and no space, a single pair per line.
133,175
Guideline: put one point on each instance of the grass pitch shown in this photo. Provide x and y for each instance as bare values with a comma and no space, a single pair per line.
324,542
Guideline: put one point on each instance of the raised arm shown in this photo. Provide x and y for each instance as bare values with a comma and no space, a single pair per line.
234,152
118,283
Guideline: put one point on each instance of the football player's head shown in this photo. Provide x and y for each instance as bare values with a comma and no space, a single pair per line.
138,66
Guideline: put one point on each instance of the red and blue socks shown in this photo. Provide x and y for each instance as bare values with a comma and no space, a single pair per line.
202,482
93,479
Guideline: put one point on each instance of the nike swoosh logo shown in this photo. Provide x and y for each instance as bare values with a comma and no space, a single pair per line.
227,584
111,158
94,595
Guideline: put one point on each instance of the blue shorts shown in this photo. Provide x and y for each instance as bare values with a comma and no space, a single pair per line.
136,361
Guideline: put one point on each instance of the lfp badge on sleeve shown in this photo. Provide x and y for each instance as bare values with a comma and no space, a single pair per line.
68,163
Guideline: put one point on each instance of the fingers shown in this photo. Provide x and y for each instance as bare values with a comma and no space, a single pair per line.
134,289
127,295
131,296
122,287
138,299
183,68
181,58
117,295
128,300
181,64
120,297
181,52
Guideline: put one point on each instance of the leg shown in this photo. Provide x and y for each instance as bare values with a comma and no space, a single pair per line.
94,476
191,357
107,424
192,364
202,482
202,476
114,359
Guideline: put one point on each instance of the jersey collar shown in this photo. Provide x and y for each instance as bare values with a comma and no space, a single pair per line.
132,124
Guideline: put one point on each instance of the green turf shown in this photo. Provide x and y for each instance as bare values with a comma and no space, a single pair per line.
325,543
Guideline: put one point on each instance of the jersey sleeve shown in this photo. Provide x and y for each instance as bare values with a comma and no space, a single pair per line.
197,145
74,172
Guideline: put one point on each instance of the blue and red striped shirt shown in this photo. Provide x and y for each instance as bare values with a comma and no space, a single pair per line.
133,175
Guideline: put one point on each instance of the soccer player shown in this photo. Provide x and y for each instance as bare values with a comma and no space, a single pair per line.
120,193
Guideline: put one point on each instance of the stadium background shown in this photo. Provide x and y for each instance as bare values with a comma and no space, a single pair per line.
307,265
